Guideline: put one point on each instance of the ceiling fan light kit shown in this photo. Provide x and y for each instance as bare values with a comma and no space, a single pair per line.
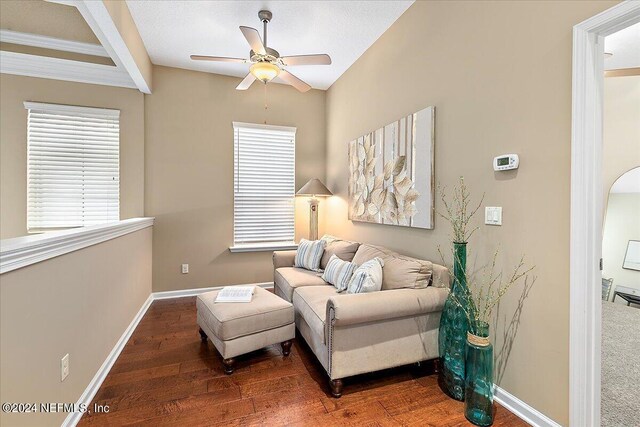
267,63
264,71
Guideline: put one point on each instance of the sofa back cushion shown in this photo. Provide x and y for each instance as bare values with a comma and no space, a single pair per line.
399,271
343,249
440,277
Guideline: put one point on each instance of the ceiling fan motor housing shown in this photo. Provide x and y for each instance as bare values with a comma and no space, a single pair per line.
271,56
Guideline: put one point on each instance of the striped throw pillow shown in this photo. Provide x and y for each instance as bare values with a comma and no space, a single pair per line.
338,272
309,254
367,277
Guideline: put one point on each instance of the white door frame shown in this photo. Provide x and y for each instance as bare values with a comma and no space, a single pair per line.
587,208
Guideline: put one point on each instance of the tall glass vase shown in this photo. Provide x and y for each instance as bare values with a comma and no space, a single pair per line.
452,338
478,404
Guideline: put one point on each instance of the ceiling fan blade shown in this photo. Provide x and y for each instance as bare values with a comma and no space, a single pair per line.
217,58
321,59
294,81
253,37
246,82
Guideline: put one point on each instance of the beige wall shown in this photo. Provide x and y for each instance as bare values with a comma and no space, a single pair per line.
189,173
499,74
13,137
75,303
621,132
45,18
621,225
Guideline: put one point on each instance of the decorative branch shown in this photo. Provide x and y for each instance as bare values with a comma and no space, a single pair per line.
458,212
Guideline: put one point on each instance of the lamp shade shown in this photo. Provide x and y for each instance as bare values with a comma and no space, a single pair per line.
314,188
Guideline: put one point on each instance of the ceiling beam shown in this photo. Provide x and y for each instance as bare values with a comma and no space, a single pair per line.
46,42
114,27
23,64
622,72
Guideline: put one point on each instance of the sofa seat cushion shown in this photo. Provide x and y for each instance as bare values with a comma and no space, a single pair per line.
289,278
310,302
233,320
399,271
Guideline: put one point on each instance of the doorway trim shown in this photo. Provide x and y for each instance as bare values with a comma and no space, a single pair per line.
585,311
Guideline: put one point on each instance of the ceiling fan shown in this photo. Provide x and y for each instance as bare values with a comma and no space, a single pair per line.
266,62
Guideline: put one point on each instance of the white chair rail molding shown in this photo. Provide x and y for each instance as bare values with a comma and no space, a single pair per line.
22,251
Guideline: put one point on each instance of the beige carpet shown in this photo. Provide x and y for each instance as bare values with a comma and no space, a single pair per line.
620,365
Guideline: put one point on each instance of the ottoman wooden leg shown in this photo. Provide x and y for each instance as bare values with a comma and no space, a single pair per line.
203,335
228,365
336,387
286,347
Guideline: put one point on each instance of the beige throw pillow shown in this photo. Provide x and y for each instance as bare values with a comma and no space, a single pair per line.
343,249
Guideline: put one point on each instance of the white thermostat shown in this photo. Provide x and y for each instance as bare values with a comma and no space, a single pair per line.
506,162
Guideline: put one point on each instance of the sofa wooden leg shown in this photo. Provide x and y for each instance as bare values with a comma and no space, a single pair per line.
436,365
286,347
228,365
336,387
203,335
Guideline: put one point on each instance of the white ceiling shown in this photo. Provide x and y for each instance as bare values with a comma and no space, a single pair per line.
173,30
627,183
625,46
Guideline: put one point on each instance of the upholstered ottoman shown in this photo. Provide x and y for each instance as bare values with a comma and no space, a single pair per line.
239,328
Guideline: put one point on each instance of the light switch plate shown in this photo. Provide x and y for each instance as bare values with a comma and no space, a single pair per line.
64,367
493,215
185,268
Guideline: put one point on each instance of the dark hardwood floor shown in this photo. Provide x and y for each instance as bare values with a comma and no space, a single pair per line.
166,376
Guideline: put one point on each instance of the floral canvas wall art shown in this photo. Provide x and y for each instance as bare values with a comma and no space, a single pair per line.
391,178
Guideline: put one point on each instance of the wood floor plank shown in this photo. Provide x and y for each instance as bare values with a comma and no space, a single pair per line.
142,374
283,416
220,413
363,414
133,399
167,376
293,396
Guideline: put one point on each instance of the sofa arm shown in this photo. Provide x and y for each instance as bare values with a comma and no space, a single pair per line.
283,258
351,309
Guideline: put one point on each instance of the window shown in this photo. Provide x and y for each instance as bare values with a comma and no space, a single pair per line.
72,166
264,185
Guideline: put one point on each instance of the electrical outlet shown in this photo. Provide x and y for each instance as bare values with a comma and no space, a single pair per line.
64,367
185,268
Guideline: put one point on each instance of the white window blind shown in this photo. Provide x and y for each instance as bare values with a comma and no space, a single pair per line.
73,166
264,184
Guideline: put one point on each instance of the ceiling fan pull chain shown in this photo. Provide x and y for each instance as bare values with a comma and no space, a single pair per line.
265,103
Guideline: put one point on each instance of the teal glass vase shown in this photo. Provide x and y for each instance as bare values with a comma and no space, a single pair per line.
478,404
452,336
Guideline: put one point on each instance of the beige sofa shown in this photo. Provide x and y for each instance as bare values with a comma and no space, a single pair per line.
352,334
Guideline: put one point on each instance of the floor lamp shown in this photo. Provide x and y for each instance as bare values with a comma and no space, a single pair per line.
313,188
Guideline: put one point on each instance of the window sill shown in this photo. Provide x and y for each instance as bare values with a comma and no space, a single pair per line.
264,247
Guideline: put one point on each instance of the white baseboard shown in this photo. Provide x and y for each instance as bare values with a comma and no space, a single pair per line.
522,410
192,292
89,393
